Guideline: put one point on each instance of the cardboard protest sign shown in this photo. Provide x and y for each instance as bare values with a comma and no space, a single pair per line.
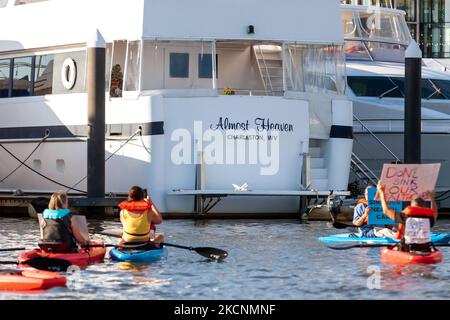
376,215
403,182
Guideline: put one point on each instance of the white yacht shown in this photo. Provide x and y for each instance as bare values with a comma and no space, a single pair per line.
200,97
375,41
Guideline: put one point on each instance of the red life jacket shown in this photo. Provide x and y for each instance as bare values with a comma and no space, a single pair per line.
414,212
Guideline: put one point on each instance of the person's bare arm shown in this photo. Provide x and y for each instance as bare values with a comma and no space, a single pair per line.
364,218
78,234
121,216
386,210
154,216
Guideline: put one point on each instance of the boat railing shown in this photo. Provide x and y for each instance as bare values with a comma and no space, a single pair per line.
397,125
248,92
362,171
364,127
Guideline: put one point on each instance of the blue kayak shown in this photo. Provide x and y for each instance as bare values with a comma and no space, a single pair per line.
436,238
147,256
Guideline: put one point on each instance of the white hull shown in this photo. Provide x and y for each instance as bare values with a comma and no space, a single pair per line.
148,162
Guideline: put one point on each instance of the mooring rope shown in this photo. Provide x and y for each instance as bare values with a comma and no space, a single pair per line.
139,131
47,134
22,163
36,172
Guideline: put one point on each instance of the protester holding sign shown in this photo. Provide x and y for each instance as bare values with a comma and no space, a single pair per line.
361,219
414,222
403,182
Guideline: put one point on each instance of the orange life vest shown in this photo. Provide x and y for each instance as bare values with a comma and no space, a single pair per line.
137,206
416,212
363,201
136,229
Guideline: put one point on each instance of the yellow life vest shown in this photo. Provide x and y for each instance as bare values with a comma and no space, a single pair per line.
135,229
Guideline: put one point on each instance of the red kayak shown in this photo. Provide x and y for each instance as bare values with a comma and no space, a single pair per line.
82,258
30,280
394,256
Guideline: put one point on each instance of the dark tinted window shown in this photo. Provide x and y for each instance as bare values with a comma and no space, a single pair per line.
205,66
374,87
4,77
431,91
444,85
179,65
43,75
22,77
434,89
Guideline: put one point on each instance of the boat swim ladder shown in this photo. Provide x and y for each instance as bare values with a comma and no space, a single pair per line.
270,65
361,169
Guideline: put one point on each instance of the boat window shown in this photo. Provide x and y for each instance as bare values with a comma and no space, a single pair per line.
349,24
444,85
205,65
108,66
116,64
22,76
43,75
389,52
5,65
384,26
133,66
356,50
431,91
381,87
179,65
307,68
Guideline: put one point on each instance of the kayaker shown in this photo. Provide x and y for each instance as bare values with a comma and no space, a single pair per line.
139,217
415,222
59,231
361,219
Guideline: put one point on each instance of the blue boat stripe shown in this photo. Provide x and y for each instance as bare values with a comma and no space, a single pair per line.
343,132
80,131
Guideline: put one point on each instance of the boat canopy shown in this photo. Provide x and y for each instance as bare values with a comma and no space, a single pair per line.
375,24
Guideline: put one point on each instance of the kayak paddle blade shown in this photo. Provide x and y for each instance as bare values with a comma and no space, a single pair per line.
212,253
48,264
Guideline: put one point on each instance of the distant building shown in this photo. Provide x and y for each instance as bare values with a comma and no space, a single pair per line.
428,20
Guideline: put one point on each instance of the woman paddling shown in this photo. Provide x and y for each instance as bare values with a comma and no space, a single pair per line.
59,230
139,217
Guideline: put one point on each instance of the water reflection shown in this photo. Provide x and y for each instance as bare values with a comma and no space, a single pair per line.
268,259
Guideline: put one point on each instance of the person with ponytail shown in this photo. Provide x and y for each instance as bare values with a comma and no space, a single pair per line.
139,217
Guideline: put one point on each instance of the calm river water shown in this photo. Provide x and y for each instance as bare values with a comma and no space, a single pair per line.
268,259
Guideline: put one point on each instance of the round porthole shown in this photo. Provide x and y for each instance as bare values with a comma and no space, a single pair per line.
69,73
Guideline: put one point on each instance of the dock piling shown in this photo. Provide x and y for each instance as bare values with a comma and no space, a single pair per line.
413,103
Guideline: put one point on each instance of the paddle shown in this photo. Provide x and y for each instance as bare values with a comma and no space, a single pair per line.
377,245
42,263
210,253
12,249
